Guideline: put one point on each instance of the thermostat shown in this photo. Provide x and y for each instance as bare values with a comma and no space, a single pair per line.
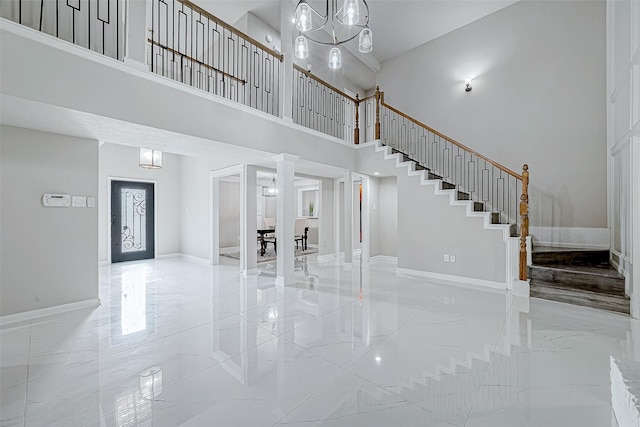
56,200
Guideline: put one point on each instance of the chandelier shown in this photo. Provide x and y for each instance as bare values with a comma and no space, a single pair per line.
270,190
332,28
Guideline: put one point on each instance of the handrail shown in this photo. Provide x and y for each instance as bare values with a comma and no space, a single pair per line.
155,43
451,140
494,190
231,28
319,80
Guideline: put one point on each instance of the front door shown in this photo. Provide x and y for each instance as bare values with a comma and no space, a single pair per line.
132,227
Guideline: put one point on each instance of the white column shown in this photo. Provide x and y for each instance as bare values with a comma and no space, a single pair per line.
635,227
285,218
286,74
248,221
136,34
365,249
215,220
347,233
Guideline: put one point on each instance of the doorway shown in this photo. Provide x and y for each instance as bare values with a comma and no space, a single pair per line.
132,221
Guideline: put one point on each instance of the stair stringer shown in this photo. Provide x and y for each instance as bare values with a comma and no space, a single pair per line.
437,184
394,164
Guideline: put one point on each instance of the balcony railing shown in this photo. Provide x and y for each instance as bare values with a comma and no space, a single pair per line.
190,45
94,24
320,106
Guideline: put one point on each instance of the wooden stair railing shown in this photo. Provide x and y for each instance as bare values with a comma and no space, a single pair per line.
490,185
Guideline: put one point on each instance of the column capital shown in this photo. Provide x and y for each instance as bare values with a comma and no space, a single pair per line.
284,157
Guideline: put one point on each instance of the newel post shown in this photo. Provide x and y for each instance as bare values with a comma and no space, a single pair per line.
524,221
377,112
356,131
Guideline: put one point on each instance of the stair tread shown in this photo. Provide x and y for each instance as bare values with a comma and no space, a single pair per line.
615,289
544,249
604,270
614,303
556,288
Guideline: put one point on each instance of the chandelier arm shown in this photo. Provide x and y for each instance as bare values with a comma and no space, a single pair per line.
333,43
321,16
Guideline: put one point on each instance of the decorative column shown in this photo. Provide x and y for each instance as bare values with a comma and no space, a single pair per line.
248,221
365,245
347,232
285,218
135,53
214,243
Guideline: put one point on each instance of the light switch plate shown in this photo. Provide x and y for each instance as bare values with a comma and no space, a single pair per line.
91,202
79,202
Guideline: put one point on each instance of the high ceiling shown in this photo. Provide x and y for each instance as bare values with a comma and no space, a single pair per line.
398,25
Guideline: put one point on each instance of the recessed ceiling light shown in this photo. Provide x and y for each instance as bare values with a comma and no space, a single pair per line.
376,173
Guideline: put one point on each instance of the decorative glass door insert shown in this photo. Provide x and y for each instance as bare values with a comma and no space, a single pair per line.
132,227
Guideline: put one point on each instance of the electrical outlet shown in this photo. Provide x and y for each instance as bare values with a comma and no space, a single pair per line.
446,257
452,258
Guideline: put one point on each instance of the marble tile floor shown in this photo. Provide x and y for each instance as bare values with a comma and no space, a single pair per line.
181,344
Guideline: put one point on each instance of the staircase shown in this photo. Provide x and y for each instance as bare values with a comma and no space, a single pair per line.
577,276
495,217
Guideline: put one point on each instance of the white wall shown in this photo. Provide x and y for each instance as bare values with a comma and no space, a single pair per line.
49,255
326,220
229,214
538,97
429,227
119,161
623,88
388,216
195,199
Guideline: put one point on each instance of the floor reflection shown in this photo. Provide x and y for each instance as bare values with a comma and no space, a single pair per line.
177,343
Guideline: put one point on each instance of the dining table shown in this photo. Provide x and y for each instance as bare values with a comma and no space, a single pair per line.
263,243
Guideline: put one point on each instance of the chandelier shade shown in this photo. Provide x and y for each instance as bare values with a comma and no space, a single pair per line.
333,26
351,12
365,43
335,58
302,47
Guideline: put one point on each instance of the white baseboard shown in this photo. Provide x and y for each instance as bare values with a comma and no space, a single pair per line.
521,288
195,259
453,279
326,258
48,311
384,258
167,256
571,237
230,250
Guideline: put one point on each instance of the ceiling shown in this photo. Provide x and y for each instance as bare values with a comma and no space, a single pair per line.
398,25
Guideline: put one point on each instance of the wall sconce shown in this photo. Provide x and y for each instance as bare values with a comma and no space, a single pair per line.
467,83
150,159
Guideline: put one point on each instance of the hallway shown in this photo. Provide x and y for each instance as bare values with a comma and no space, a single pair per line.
177,343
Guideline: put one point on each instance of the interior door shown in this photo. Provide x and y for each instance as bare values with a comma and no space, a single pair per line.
132,225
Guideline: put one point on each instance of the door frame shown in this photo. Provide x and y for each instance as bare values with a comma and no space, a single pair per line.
154,182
